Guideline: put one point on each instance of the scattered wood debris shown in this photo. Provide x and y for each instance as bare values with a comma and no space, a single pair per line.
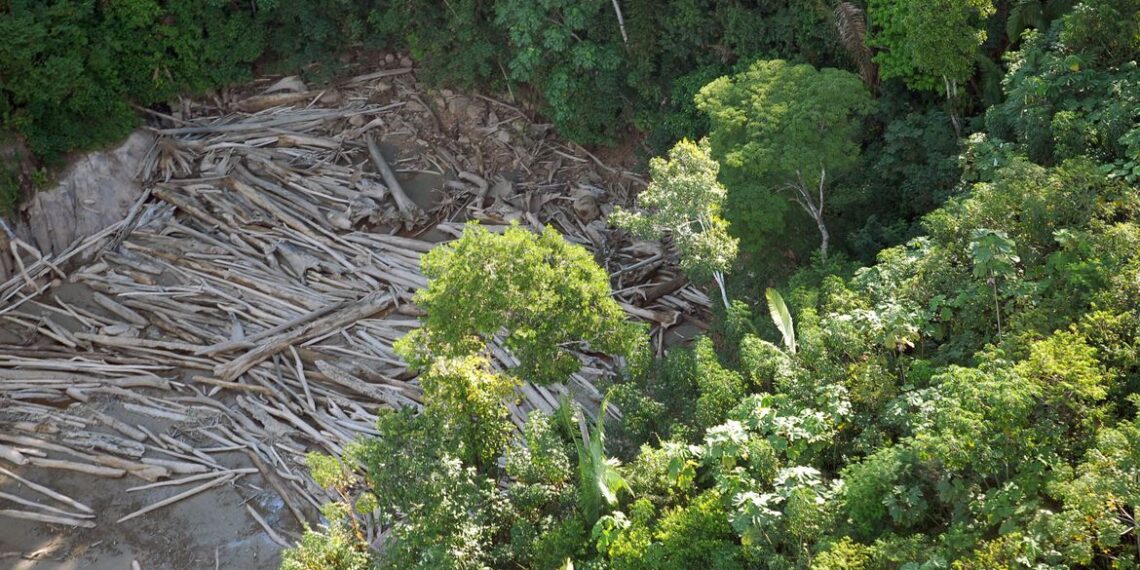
251,299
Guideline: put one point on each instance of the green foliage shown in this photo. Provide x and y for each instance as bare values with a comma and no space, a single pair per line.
690,390
684,200
468,400
1104,30
913,169
1034,14
788,517
1102,501
443,514
779,127
542,460
332,548
10,189
545,292
458,45
571,53
932,44
719,389
69,67
994,258
905,431
781,122
599,481
1072,91
782,318
696,535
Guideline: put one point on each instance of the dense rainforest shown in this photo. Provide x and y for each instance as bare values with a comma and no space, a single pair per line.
919,221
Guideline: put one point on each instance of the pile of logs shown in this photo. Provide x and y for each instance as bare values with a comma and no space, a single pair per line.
250,301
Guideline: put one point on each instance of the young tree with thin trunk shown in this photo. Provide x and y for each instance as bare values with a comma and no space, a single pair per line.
684,200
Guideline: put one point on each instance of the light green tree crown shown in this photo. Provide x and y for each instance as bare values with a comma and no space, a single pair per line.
684,200
545,295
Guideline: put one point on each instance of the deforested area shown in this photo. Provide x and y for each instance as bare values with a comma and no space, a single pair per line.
596,284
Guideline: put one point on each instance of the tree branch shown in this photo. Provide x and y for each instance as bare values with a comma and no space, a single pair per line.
621,22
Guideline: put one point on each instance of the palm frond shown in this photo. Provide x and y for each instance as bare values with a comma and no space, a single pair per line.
852,26
782,317
599,481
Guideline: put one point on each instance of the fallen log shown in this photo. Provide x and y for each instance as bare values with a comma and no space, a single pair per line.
52,519
366,307
22,501
46,491
13,456
186,494
111,472
409,211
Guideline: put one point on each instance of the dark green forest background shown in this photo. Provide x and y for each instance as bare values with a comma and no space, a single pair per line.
954,383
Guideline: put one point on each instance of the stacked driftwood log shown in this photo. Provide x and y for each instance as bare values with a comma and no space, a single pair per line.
249,302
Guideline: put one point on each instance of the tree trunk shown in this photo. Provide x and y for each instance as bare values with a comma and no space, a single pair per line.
997,304
719,277
825,237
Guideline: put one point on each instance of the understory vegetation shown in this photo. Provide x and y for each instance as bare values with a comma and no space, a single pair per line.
919,221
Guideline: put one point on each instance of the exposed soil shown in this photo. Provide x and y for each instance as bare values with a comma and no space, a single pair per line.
205,531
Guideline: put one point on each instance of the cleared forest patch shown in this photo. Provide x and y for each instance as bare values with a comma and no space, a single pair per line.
244,312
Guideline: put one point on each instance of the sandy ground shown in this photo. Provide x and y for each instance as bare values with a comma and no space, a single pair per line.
209,530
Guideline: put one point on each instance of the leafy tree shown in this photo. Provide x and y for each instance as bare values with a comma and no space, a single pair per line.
469,401
684,200
333,548
994,259
548,295
1102,501
797,509
932,44
1034,14
572,51
456,46
686,392
1067,95
443,514
790,126
696,534
1104,31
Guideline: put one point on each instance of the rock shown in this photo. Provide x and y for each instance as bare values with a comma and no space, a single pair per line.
331,98
586,203
587,208
457,105
96,191
502,188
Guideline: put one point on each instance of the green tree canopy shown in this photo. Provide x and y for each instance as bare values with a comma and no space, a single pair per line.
469,400
792,127
932,44
545,295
